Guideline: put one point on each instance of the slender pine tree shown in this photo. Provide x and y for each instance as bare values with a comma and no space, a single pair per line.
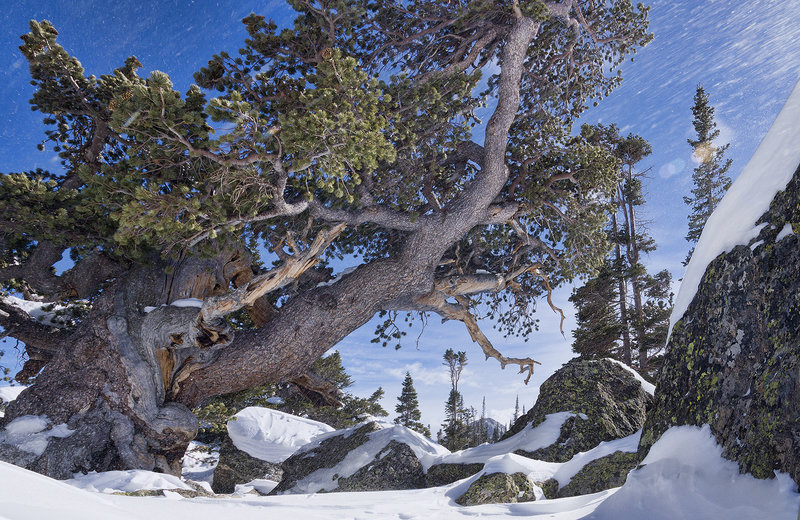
710,176
620,309
455,426
407,408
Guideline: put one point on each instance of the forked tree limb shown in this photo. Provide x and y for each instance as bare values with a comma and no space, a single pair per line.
459,287
249,293
437,302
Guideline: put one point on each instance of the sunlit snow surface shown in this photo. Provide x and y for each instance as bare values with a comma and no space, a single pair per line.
124,481
31,433
734,221
684,478
271,435
9,393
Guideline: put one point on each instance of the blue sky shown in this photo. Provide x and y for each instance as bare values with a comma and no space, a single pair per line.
746,55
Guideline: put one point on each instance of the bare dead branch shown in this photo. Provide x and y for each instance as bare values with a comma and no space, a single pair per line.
248,294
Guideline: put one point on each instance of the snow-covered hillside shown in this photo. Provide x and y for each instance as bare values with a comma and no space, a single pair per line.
684,477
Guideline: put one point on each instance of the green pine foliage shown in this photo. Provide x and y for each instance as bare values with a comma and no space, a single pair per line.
710,177
623,310
598,330
356,109
215,414
407,408
344,118
456,427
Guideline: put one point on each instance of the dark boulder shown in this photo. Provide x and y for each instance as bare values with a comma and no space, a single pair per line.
387,459
447,473
395,467
610,401
604,473
238,467
733,360
326,454
497,488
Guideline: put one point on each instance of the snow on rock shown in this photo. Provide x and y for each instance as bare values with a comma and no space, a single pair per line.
188,302
9,393
529,439
567,470
126,481
31,433
650,388
733,222
271,435
199,462
785,232
260,485
685,476
383,433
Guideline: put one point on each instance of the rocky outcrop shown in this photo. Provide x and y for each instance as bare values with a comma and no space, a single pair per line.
447,473
394,467
369,457
610,401
237,467
604,473
326,454
498,488
733,360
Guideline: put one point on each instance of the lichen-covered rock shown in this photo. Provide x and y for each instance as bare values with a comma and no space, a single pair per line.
369,457
610,401
549,488
395,467
604,473
238,467
447,473
497,488
327,454
733,360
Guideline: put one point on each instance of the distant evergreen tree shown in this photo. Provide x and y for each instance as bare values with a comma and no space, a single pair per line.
599,326
619,309
408,408
516,409
456,429
710,176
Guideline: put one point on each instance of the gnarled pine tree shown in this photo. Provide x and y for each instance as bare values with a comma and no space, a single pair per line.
349,132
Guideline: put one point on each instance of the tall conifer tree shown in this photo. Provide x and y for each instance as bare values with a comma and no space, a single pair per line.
408,408
710,177
620,309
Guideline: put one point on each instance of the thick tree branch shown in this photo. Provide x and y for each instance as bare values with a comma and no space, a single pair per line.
247,295
383,217
80,281
437,302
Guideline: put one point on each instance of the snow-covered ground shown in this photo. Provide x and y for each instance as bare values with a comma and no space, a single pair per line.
684,477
